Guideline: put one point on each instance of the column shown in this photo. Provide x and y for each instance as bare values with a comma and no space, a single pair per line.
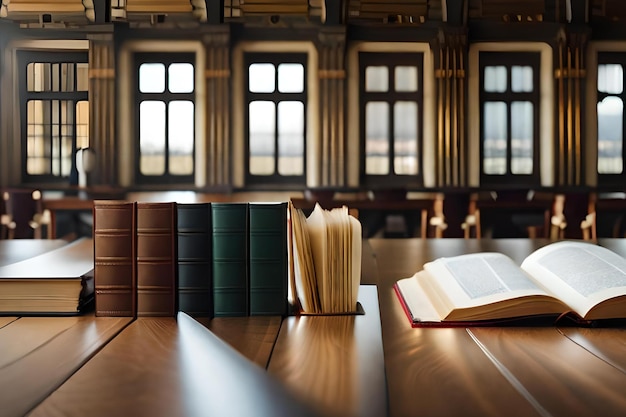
570,76
218,78
102,101
451,89
332,84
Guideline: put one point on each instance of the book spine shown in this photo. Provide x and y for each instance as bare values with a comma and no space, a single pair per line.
230,259
195,282
114,258
268,259
156,259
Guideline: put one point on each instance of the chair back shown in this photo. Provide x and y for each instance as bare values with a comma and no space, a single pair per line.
22,206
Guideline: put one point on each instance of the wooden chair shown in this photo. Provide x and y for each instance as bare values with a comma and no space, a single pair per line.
7,225
472,219
572,209
438,219
25,217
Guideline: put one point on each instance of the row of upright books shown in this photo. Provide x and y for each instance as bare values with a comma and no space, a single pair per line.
206,259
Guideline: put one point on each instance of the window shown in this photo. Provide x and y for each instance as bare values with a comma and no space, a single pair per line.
509,106
391,118
610,108
55,114
165,98
276,118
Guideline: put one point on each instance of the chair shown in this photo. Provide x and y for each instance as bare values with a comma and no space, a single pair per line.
24,216
6,222
438,219
472,219
574,208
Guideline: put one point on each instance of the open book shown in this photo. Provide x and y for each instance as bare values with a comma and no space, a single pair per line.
325,260
582,279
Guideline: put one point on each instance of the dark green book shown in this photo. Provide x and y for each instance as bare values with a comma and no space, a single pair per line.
195,259
268,258
230,259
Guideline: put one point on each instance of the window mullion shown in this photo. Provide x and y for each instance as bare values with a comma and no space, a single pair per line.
391,137
276,98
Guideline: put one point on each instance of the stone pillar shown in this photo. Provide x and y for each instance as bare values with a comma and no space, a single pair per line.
218,135
451,92
102,100
332,85
570,74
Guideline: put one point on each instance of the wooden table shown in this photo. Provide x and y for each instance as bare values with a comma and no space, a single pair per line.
546,371
335,362
371,365
40,353
65,203
532,214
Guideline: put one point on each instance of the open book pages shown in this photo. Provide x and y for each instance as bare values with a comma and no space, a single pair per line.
581,278
326,250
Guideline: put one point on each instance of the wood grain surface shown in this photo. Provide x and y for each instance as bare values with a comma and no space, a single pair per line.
554,374
253,337
492,371
335,361
40,353
170,367
437,372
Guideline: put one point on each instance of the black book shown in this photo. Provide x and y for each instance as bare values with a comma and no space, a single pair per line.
195,258
268,258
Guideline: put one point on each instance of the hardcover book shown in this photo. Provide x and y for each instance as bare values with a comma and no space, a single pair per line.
230,259
156,259
582,280
268,258
114,258
55,282
195,258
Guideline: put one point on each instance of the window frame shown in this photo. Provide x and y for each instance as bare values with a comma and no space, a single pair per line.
510,59
166,96
604,58
275,58
26,57
391,60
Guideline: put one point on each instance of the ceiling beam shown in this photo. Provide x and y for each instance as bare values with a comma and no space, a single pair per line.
215,11
102,11
334,12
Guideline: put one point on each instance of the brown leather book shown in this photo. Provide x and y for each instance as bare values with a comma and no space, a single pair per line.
156,259
114,258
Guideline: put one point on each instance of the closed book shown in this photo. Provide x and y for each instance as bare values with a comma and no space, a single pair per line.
195,283
156,259
230,259
268,258
57,282
114,224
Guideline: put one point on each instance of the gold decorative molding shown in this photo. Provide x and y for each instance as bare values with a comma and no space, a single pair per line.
101,73
450,73
217,73
325,74
569,73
